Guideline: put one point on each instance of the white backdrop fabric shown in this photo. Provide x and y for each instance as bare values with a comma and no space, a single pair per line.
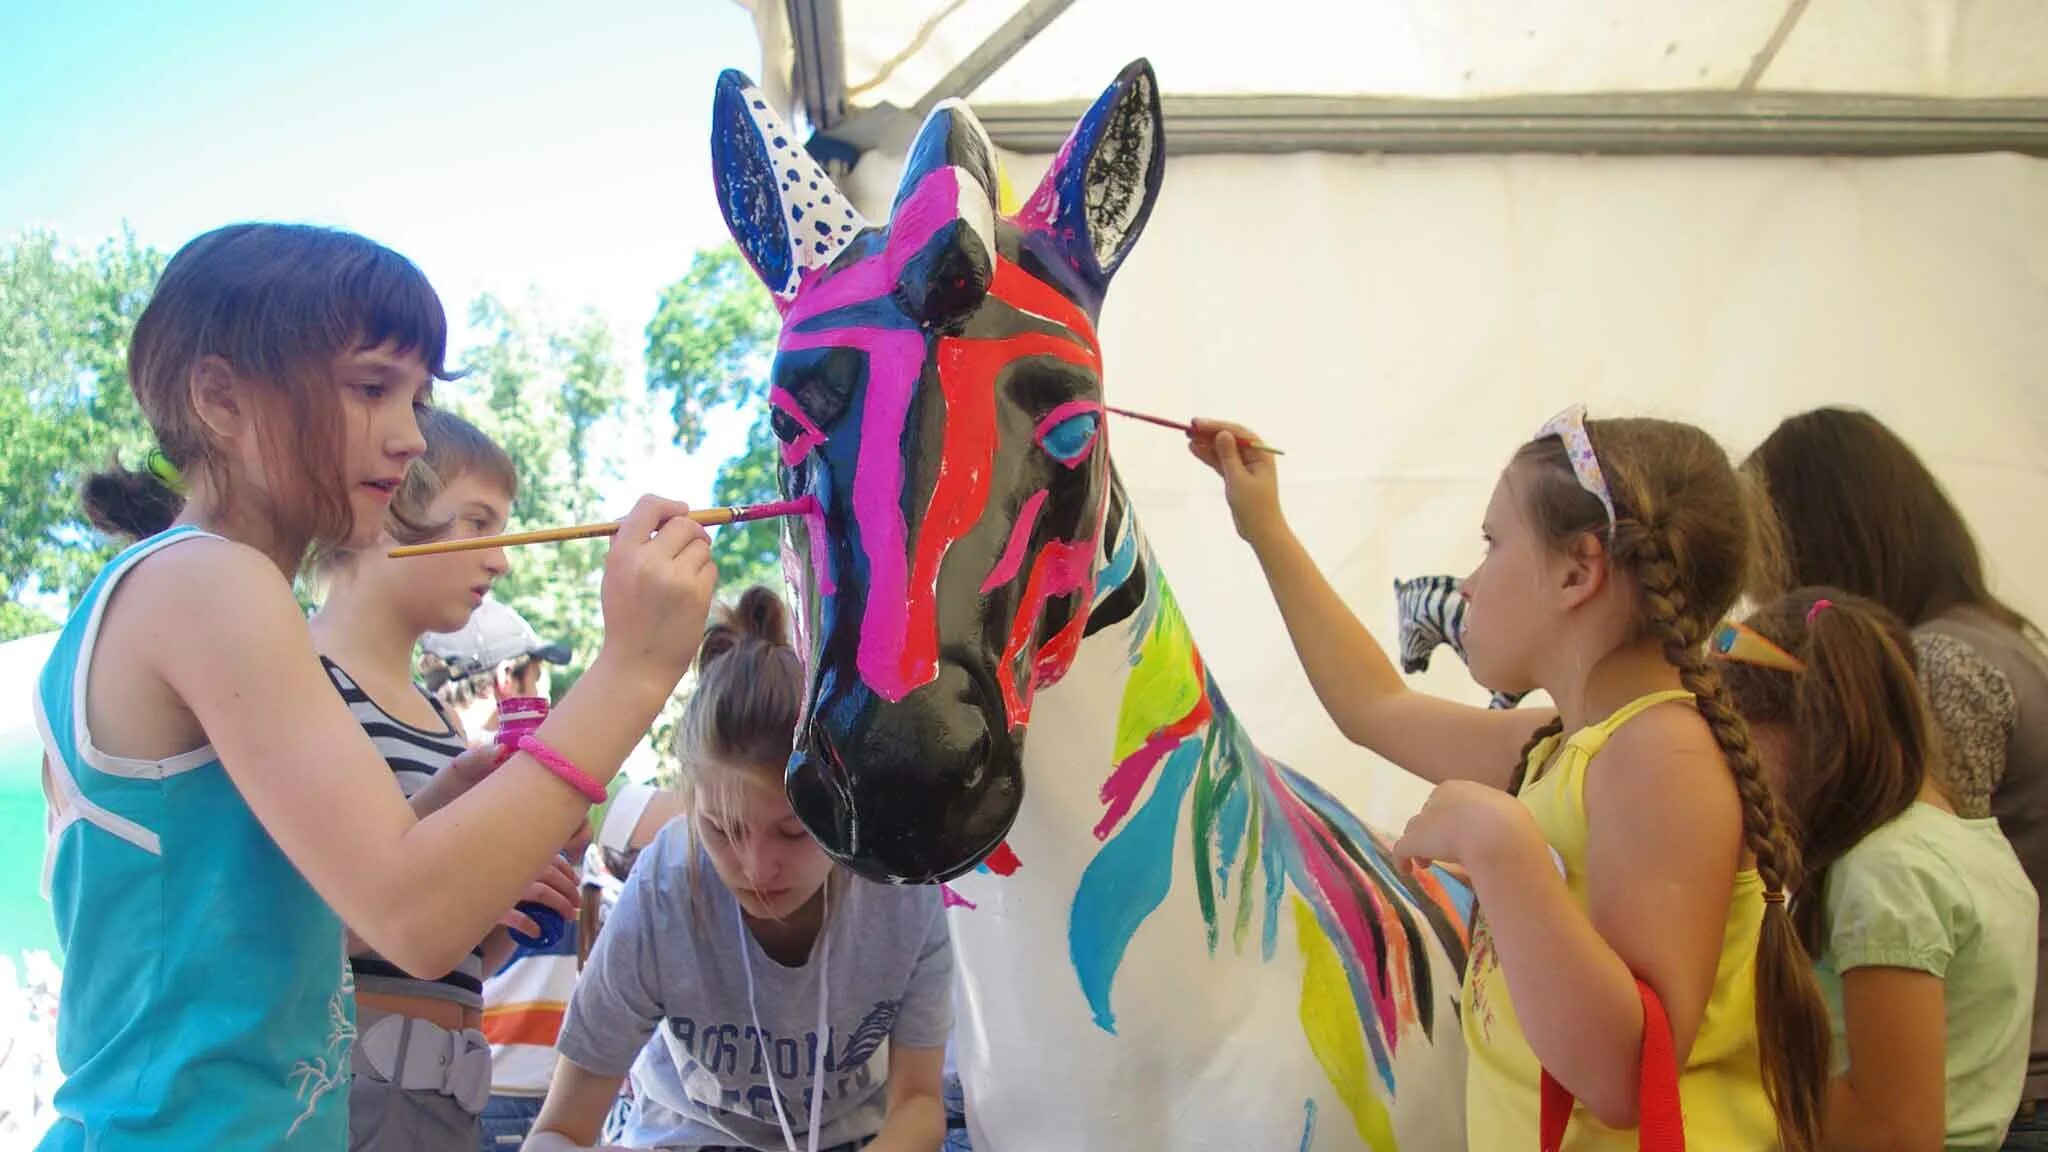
1399,324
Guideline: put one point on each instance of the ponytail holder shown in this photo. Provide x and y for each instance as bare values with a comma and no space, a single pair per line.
160,466
1774,896
1819,606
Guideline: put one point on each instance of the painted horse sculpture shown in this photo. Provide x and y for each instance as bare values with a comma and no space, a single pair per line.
975,576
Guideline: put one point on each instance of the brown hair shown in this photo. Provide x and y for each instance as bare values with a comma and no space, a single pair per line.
1860,511
455,448
750,687
277,302
1864,745
1683,526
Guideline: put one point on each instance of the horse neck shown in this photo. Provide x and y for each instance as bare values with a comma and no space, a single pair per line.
1138,674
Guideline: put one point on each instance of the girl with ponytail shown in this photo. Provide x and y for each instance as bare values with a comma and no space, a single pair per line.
1628,855
747,982
1922,921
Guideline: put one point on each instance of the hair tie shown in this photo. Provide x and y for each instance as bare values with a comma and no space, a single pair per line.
159,465
1819,606
1774,895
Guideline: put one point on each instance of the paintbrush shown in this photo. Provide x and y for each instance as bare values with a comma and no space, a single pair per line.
1190,429
738,513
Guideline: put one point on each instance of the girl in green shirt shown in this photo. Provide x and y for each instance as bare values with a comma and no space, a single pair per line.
1922,922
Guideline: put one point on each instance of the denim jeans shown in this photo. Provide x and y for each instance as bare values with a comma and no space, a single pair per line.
956,1119
507,1120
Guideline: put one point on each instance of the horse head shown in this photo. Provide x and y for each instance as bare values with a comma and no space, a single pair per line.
937,389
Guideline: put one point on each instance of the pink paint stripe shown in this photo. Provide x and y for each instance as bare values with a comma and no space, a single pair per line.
821,558
1121,790
933,205
1062,414
797,449
1335,897
1013,552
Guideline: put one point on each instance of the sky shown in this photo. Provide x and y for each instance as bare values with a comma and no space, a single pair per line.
548,152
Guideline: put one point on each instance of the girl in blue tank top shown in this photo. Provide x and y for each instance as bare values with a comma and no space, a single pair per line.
213,803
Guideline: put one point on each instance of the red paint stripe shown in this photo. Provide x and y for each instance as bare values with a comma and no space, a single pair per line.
966,459
1026,293
967,374
1003,861
1063,567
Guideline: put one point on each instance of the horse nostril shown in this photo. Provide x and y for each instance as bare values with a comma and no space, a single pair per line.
977,760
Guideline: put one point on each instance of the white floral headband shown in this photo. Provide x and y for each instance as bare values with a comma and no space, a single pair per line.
1570,427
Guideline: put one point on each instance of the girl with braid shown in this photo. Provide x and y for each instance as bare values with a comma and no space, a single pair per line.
1626,850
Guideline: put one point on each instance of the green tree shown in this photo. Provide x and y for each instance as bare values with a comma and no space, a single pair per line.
709,348
546,394
65,319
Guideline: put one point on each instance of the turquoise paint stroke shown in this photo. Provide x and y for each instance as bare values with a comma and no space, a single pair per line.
1126,882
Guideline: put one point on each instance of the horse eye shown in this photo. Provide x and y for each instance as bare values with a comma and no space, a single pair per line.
784,426
1069,440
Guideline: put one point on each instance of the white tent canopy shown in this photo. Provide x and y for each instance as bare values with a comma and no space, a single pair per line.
1463,75
897,50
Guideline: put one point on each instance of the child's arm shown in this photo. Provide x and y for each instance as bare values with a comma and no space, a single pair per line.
1663,842
228,640
916,1119
1359,687
572,1116
1892,1096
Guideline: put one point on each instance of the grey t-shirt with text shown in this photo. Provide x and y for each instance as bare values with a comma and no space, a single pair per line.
664,995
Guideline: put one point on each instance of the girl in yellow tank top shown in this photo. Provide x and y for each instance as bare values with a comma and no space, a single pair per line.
1632,835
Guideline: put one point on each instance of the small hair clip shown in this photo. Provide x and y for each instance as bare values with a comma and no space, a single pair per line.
1819,606
1774,895
1745,645
1570,427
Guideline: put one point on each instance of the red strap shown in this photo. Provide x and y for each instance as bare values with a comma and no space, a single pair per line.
1660,1123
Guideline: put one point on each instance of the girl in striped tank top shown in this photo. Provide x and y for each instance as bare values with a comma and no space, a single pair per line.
421,1065
216,813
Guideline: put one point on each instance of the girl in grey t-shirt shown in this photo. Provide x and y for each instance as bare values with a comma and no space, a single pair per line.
755,991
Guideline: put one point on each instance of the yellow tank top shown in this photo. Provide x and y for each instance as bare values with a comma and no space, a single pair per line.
1721,1085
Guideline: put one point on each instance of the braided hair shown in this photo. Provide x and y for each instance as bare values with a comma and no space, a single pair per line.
1683,525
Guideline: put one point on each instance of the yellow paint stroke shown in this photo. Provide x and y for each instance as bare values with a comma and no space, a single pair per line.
1162,688
1329,1018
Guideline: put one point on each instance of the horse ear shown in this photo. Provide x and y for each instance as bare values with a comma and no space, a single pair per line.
1099,192
785,214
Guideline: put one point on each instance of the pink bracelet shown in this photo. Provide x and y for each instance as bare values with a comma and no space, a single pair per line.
559,764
